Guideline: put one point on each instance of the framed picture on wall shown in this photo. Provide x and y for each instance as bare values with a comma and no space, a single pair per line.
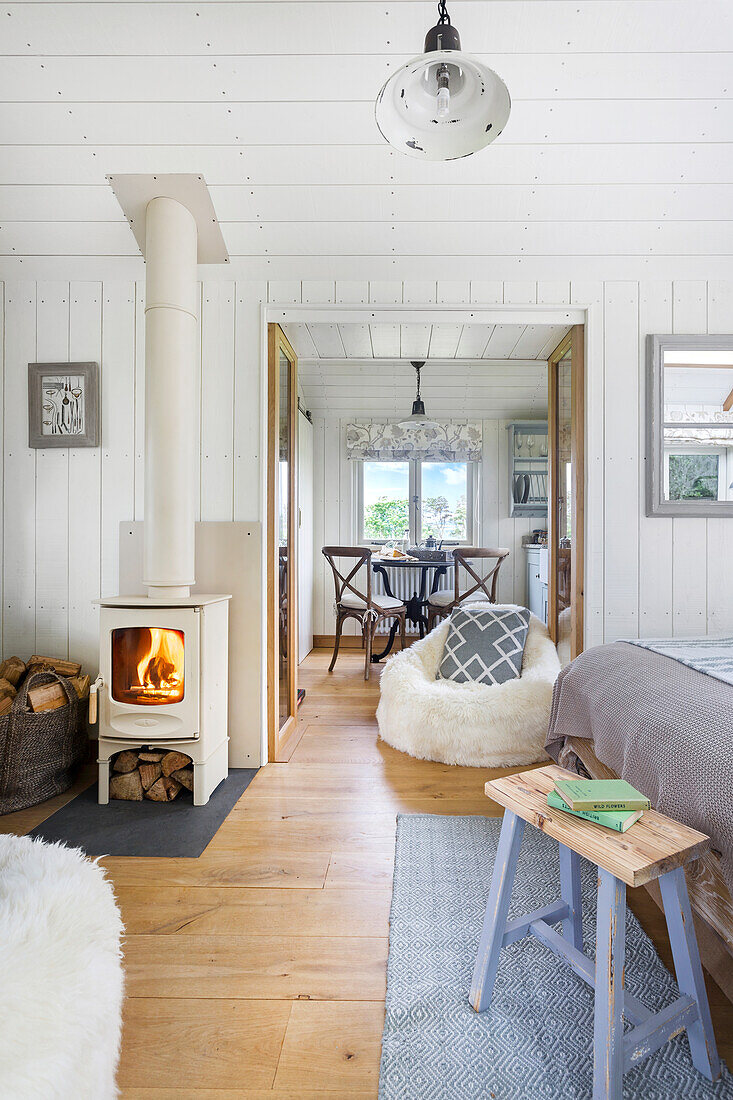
63,405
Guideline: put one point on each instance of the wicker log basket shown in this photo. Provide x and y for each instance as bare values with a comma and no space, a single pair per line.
40,753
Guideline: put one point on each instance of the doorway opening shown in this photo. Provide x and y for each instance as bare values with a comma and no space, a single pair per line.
512,476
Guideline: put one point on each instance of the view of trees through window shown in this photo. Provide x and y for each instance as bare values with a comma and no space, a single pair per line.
693,477
443,494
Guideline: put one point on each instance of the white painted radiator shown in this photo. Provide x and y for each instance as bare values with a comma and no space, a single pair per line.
405,583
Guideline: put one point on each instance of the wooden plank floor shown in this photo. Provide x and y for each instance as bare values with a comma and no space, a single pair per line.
259,969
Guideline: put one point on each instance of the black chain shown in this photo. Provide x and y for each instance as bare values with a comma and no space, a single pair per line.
443,16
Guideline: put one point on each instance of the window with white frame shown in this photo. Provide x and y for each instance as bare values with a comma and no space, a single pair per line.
415,499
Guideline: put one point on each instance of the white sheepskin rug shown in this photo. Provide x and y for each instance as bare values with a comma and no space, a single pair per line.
60,974
479,725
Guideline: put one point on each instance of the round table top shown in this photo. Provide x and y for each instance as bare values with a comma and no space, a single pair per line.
414,563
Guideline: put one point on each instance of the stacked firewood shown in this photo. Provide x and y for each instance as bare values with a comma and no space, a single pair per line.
14,672
150,773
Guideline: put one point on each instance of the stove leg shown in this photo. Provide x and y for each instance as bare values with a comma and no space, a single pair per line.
103,783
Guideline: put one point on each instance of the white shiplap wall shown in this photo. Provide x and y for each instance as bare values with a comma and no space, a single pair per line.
61,510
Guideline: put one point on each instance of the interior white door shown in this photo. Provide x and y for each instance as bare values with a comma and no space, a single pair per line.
305,537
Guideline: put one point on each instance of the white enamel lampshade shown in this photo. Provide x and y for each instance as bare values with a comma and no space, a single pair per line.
418,418
407,107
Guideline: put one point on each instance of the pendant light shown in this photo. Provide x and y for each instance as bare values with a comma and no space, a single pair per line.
443,104
418,417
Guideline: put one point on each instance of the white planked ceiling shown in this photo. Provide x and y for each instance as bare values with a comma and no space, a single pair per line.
618,148
317,340
492,371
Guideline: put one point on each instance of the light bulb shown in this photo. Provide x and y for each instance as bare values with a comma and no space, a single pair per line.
443,97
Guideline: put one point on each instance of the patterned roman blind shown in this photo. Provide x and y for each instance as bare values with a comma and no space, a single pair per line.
450,441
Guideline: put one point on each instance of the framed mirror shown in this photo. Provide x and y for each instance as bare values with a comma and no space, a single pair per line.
689,426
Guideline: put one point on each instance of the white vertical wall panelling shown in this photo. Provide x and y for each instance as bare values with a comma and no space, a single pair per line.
331,497
451,293
553,293
248,446
347,530
318,291
352,293
284,292
655,532
140,399
520,293
321,583
419,292
217,404
720,531
2,445
635,592
505,524
52,487
385,292
19,486
85,488
487,293
622,458
690,550
118,423
590,294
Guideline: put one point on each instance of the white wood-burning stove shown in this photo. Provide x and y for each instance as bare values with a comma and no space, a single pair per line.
164,668
164,656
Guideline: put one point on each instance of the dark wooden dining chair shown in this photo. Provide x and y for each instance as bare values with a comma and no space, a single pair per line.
483,588
351,603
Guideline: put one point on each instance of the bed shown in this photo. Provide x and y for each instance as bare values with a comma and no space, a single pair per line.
624,711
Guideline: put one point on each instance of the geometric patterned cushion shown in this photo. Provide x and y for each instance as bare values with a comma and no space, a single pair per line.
485,644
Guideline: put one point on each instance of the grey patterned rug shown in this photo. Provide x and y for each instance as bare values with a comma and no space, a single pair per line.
535,1042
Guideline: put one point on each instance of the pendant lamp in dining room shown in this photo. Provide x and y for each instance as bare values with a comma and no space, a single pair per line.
443,104
418,418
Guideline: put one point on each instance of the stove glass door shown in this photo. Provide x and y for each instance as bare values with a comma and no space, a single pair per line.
148,665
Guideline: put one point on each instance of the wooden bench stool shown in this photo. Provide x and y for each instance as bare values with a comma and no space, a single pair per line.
655,847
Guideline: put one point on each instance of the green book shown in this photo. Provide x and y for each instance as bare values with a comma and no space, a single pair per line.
619,822
601,794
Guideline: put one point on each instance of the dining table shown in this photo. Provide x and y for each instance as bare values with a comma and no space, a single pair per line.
416,605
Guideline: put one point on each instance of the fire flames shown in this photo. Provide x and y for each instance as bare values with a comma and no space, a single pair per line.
160,669
147,665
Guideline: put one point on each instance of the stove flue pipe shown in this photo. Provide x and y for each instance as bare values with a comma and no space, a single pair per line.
170,397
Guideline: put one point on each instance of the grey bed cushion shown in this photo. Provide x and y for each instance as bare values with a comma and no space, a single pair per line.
664,727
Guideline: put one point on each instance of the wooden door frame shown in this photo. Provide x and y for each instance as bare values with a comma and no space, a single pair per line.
281,740
574,342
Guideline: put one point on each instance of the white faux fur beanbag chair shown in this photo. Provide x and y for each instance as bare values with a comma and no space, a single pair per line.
61,978
479,725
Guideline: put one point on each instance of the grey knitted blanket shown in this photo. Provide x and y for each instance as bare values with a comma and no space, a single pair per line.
663,726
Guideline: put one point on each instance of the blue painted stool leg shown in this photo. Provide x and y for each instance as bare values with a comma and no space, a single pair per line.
497,909
689,971
608,1032
572,926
